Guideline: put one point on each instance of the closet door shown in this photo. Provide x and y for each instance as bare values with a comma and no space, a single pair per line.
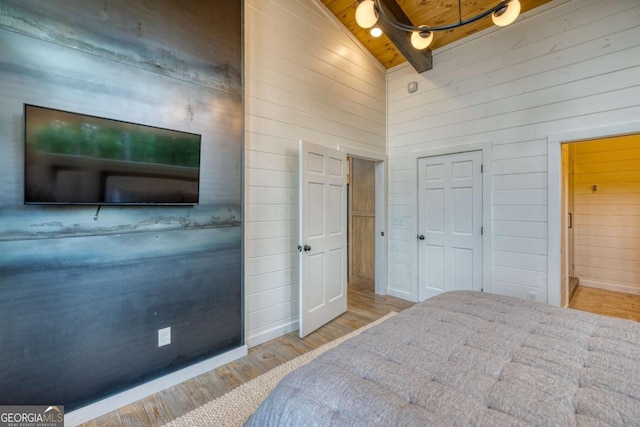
450,223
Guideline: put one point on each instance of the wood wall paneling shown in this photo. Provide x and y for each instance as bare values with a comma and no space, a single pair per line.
305,79
607,219
567,65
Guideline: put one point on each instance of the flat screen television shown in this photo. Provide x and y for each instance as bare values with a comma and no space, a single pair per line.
73,158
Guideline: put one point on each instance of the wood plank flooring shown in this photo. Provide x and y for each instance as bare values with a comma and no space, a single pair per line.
608,303
363,307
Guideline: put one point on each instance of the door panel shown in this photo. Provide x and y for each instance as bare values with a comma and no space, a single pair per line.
434,210
450,221
335,289
462,268
315,219
435,267
336,210
315,294
462,208
323,236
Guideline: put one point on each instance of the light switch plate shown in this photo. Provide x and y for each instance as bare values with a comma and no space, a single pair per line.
164,336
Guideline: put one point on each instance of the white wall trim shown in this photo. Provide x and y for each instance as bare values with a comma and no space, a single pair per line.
134,394
398,293
272,333
487,203
554,162
487,218
360,153
381,245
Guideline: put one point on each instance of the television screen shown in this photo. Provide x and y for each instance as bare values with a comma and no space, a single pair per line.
74,158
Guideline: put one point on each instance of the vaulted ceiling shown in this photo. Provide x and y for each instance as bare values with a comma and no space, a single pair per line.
421,12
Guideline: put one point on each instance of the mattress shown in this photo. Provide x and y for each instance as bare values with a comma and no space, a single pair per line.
470,358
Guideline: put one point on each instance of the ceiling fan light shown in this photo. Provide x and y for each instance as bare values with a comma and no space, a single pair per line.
366,15
375,32
421,39
507,14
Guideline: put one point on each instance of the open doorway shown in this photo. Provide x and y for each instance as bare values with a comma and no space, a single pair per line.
361,217
324,232
600,216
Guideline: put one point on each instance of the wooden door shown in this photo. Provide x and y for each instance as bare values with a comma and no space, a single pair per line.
450,223
362,219
323,236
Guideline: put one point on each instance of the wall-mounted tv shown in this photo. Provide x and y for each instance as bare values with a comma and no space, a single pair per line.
73,158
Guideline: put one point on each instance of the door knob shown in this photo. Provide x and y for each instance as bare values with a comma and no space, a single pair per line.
307,248
421,236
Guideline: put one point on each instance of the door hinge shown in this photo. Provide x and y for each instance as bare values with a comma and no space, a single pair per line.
481,231
481,168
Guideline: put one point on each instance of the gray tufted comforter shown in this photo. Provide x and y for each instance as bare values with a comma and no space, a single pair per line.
468,358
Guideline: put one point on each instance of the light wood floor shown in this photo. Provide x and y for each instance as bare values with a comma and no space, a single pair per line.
363,307
608,303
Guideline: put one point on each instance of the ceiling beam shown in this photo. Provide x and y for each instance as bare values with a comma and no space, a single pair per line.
421,60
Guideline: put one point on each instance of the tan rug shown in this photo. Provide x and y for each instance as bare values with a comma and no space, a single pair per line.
235,407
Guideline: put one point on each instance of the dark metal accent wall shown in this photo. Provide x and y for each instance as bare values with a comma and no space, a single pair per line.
81,300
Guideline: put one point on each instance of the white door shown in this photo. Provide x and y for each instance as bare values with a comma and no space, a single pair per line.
450,223
323,236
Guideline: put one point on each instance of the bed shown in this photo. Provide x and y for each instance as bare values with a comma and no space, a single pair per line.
470,358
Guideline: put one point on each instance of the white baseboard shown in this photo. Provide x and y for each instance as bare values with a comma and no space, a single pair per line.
94,410
269,334
402,294
609,286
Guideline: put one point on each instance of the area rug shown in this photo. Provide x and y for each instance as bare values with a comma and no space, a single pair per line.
235,407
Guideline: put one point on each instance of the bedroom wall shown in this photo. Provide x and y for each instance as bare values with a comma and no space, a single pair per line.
607,231
305,78
565,66
82,297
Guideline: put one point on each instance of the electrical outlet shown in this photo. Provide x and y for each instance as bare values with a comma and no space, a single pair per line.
164,336
531,296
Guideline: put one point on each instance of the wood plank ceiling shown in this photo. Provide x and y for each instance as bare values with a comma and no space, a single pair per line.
421,12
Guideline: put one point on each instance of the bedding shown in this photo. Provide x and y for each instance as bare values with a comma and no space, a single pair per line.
470,358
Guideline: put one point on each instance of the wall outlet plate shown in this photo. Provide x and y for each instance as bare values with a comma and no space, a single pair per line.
164,336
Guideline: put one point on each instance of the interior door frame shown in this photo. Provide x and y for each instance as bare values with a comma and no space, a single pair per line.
554,194
487,202
381,239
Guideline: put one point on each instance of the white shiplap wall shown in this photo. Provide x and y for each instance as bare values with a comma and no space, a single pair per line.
305,78
565,66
